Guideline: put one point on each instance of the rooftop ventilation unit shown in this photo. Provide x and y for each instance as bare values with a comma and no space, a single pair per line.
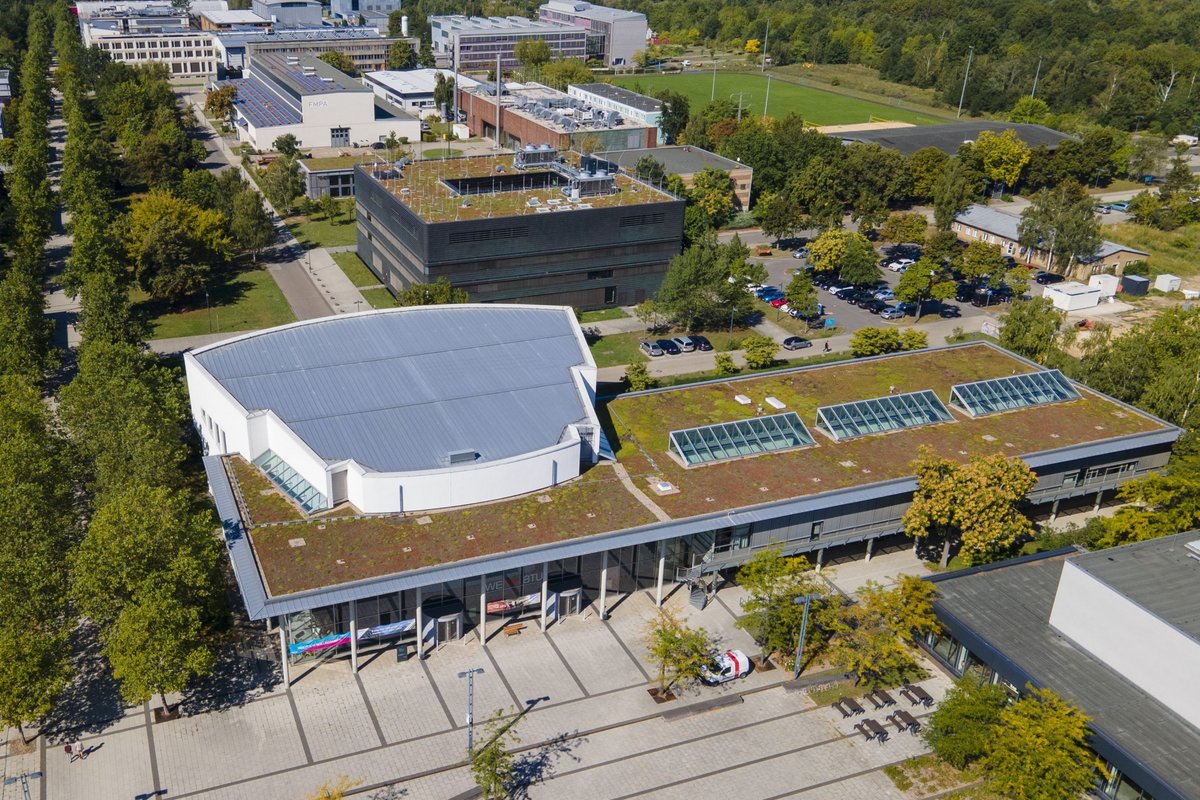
1193,548
462,456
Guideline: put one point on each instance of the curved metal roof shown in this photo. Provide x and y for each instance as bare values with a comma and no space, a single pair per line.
400,390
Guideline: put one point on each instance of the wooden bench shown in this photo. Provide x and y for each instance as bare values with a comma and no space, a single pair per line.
514,629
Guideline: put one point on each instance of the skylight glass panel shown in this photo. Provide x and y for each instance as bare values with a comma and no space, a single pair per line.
882,414
1012,392
290,481
746,437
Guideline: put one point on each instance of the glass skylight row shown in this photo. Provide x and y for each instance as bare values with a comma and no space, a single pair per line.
290,482
1014,391
882,414
745,437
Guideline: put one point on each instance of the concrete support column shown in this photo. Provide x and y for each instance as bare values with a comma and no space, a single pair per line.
545,592
662,566
420,624
354,636
283,649
483,611
870,548
820,559
1054,511
603,584
1099,498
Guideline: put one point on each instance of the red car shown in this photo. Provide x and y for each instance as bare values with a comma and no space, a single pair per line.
779,301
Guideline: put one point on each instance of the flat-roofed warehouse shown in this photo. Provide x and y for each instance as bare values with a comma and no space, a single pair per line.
534,227
689,481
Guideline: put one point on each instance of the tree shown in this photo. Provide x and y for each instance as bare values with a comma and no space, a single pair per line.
439,293
976,506
174,244
251,226
696,291
927,279
219,101
904,227
724,365
952,194
1162,503
678,651
1040,749
674,115
961,727
760,351
1032,328
713,192
777,215
1062,222
156,645
638,378
650,169
339,61
443,92
401,55
1003,155
981,261
1147,156
532,52
913,339
875,635
562,73
492,764
282,184
287,145
34,669
838,251
772,582
801,294
866,342
926,167
328,206
648,312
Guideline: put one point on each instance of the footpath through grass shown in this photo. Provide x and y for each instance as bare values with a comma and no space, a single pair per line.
819,106
249,301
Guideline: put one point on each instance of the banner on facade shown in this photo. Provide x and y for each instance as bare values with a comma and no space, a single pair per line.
316,645
391,629
519,604
552,607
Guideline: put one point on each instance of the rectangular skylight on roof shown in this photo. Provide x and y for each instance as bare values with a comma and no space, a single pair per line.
1014,391
747,437
882,414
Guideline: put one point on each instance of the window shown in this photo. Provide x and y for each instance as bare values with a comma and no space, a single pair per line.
600,274
610,295
1014,391
746,437
817,529
882,414
1099,474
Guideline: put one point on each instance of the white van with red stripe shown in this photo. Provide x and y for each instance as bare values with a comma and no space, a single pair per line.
729,666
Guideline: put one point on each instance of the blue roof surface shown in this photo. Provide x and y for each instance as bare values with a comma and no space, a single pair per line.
400,390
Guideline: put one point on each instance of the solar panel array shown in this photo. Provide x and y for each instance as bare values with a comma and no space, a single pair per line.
264,110
1013,391
746,437
882,414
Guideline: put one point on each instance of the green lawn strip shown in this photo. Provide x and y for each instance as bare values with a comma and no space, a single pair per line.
358,272
262,498
602,314
823,107
618,349
248,301
380,297
927,775
317,231
1174,252
441,152
342,550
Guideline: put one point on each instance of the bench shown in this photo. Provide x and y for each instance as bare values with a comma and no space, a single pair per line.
852,706
916,695
879,733
514,629
884,697
903,720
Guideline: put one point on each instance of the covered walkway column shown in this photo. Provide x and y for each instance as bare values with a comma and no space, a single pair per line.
545,591
483,610
1054,511
283,648
354,636
662,565
870,548
820,559
603,584
1099,497
420,624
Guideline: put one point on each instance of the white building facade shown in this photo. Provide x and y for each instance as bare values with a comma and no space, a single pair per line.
329,408
141,33
473,44
412,90
613,34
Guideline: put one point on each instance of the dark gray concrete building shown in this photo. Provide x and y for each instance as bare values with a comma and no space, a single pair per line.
528,228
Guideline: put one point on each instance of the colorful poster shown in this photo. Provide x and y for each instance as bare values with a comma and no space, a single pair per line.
519,604
315,645
391,629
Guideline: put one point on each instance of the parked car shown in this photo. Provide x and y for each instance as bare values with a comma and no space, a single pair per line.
885,294
701,343
730,665
949,311
769,293
801,253
796,343
843,292
865,300
1047,278
965,292
891,312
899,264
908,308
1122,206
1103,210
778,302
669,347
836,289
684,343
650,348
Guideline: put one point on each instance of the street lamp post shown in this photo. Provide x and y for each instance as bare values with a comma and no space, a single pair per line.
24,778
806,599
732,311
208,310
470,676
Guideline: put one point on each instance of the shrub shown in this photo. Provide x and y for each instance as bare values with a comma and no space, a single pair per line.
725,365
637,377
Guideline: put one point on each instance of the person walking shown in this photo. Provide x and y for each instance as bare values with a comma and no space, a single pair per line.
71,754
827,349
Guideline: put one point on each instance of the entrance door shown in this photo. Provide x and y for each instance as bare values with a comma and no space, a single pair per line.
339,137
449,628
569,602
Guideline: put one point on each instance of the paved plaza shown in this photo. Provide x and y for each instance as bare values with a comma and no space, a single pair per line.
399,728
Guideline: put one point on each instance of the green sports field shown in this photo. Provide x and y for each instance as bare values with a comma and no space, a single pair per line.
814,105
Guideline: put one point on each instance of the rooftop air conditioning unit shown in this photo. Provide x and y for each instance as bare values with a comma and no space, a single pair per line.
1193,548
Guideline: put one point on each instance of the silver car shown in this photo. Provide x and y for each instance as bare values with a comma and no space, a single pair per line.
650,348
684,343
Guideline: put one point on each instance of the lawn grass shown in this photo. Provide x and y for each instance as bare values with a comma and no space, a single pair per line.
602,314
261,498
1174,252
441,152
380,297
317,231
249,301
820,106
618,349
927,775
358,272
